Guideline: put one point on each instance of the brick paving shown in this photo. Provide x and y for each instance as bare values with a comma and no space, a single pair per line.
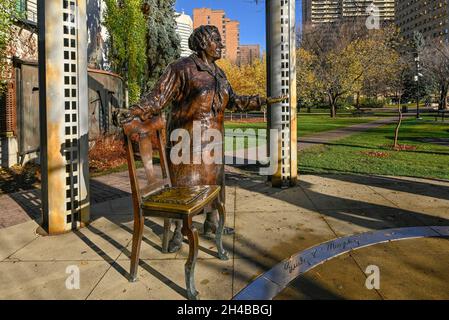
25,205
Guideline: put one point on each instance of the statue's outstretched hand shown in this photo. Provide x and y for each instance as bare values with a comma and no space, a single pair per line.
130,114
274,100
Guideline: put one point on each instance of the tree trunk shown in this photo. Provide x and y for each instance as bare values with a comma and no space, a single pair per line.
442,104
333,106
396,132
357,103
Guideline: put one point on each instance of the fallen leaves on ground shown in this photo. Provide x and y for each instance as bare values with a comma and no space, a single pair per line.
106,153
403,147
376,154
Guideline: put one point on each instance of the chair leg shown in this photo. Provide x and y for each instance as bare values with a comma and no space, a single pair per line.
191,233
222,254
137,240
165,239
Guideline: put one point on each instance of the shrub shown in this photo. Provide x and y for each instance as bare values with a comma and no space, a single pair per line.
371,103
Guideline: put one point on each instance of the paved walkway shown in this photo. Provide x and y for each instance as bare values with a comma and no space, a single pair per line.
24,205
333,135
250,155
271,225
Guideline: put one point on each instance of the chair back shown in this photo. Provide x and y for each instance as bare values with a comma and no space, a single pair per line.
142,138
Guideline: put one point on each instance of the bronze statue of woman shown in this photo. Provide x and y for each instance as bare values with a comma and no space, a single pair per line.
197,92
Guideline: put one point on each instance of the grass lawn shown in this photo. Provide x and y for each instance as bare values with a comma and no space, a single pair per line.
310,123
371,153
307,124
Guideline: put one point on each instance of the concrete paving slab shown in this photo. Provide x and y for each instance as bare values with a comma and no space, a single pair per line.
413,197
436,215
340,278
271,224
332,193
207,246
246,271
410,269
160,280
102,240
16,237
345,196
271,237
406,272
47,280
357,220
271,200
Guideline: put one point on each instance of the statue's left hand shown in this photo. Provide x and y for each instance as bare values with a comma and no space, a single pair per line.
271,100
130,114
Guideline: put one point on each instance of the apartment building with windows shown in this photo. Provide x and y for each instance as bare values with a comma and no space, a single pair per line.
329,11
229,29
249,53
430,18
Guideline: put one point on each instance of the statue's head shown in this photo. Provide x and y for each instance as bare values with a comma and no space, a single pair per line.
206,39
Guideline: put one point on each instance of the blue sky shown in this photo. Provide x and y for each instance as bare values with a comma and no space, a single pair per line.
250,15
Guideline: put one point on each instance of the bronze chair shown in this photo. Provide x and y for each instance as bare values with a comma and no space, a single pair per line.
166,202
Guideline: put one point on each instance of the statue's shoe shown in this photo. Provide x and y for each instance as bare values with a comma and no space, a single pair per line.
175,244
211,228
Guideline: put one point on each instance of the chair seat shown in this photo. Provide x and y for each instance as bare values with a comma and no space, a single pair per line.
181,200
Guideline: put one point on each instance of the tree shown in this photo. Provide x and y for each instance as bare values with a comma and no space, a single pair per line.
351,61
309,89
336,66
379,54
435,61
127,28
247,79
8,15
397,84
163,44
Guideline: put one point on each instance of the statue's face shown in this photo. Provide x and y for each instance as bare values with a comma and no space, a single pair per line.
214,46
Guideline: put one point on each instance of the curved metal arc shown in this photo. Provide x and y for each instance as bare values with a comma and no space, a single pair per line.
272,282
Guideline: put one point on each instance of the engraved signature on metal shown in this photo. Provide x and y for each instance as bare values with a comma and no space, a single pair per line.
271,283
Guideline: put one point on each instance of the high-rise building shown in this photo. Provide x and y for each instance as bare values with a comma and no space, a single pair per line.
430,18
320,11
229,29
325,11
249,53
184,28
361,8
232,40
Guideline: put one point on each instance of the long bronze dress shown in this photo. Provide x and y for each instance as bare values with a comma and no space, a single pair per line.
195,93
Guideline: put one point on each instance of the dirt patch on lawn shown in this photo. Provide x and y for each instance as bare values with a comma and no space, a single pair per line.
375,154
404,147
249,120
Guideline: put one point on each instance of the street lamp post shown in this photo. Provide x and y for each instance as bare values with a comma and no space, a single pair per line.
417,85
418,44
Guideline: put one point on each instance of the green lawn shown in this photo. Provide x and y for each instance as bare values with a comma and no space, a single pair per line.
307,124
370,152
310,123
